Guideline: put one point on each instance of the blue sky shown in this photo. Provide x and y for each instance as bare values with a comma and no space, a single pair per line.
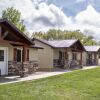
72,7
41,15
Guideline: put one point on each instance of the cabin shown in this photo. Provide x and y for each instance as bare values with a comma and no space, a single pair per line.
63,54
91,56
18,54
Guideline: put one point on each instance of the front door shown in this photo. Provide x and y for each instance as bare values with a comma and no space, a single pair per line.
3,61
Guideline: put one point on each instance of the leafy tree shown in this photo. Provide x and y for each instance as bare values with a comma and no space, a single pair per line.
38,35
54,34
89,41
14,16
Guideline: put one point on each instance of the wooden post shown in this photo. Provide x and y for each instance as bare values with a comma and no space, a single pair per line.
81,60
0,31
24,54
95,59
23,61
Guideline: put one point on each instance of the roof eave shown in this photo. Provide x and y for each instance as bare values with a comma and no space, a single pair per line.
42,42
15,28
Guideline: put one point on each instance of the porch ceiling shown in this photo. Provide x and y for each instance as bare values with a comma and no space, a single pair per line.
9,32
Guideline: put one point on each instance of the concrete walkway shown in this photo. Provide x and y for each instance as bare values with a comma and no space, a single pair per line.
36,75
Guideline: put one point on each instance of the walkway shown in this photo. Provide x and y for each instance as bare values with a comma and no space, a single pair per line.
36,75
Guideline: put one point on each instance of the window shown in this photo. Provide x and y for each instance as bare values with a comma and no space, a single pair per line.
60,55
95,56
66,55
99,55
19,55
74,56
1,55
89,55
27,54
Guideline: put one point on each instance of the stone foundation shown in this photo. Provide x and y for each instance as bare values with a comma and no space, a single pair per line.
33,67
15,68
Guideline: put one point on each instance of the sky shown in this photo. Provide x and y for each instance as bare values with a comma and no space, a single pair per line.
42,15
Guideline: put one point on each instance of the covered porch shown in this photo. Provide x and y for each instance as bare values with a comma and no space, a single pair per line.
92,58
70,57
15,51
92,55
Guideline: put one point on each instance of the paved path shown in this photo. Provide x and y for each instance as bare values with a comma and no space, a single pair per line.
36,75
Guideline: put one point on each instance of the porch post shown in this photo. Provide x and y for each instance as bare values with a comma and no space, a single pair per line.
23,62
81,59
0,32
24,54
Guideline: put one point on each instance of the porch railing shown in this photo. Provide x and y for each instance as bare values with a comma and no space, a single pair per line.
58,63
68,64
91,62
73,64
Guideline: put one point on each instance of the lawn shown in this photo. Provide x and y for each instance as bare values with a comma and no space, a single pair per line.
76,85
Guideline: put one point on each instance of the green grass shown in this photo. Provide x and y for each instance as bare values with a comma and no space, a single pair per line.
77,85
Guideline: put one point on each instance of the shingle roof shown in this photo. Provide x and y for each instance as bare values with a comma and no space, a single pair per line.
92,48
62,43
58,43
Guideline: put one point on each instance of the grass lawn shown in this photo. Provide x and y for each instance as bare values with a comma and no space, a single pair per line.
77,85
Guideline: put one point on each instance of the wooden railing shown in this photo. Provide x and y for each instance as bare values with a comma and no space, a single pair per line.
91,62
68,64
58,63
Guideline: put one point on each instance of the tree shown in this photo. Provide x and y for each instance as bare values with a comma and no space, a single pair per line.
89,41
54,34
39,35
14,16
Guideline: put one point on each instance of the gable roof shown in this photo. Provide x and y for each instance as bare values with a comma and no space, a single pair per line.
92,48
17,31
43,41
60,43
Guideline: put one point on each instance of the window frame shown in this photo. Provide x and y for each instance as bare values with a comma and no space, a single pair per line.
74,55
21,54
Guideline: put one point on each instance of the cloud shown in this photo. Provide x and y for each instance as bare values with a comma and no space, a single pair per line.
46,17
89,21
38,15
78,1
89,16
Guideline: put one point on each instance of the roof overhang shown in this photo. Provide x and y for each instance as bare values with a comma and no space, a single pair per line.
17,31
36,47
